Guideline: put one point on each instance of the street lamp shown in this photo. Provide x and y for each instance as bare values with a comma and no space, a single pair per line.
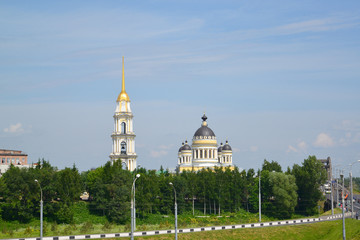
332,194
175,211
351,187
41,210
343,206
259,196
133,206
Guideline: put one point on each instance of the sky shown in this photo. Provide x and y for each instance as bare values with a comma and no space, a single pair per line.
279,80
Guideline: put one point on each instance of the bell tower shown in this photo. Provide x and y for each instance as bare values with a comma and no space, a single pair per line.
123,137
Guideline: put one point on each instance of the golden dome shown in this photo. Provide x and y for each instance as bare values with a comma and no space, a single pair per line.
123,96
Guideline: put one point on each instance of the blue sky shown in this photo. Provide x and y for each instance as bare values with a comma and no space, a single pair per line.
278,79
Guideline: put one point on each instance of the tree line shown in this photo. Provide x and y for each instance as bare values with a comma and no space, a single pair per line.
208,191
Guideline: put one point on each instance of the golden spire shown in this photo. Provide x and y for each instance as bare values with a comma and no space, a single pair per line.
123,95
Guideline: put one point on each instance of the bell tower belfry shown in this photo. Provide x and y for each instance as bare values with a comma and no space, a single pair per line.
123,137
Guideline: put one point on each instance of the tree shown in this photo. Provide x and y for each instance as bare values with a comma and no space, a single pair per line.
284,195
147,192
165,192
271,166
45,173
252,189
191,186
110,187
309,177
237,188
68,185
20,194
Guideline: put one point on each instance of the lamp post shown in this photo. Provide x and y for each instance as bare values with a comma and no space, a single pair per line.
133,206
332,194
337,187
343,206
351,188
41,210
175,211
259,196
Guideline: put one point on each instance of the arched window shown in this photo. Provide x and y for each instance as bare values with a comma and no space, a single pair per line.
123,147
123,128
124,165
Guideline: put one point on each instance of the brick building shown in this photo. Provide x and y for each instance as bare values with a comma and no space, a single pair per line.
14,157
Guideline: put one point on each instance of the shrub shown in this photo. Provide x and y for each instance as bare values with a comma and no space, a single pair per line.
107,226
54,227
28,230
86,227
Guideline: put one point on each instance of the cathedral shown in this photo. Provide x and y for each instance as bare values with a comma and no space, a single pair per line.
123,136
204,151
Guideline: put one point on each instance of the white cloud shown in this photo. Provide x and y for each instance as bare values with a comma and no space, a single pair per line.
324,140
166,147
14,128
314,25
350,131
236,149
156,154
291,149
254,148
302,146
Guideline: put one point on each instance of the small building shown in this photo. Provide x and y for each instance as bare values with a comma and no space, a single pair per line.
12,157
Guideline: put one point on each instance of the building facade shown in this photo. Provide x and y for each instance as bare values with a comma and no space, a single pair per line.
204,151
123,136
328,167
12,157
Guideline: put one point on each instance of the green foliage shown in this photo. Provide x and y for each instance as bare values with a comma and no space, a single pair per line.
68,185
271,166
309,177
83,214
19,195
284,195
86,227
205,192
356,183
107,226
110,188
147,193
64,214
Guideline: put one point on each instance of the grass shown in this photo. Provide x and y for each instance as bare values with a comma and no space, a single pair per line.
87,223
336,211
82,214
318,231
